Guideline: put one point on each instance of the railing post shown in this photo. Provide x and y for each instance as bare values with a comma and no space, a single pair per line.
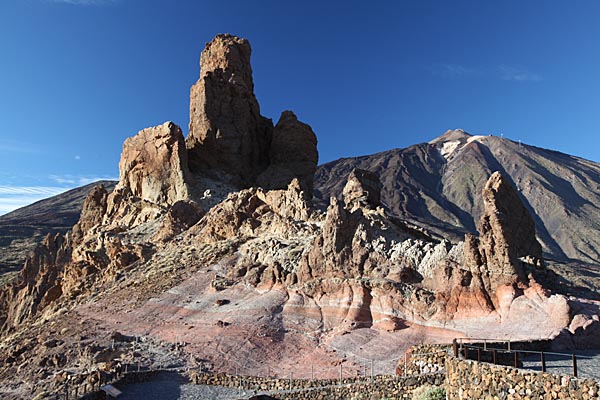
574,366
484,344
494,356
516,357
455,348
543,362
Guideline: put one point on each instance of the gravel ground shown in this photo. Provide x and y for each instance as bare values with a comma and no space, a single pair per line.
172,386
588,364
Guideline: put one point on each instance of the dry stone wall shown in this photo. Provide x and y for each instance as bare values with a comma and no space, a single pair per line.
466,379
380,387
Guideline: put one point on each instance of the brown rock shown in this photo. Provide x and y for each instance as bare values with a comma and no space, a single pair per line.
92,212
293,154
507,232
227,133
229,140
38,284
180,217
363,189
153,165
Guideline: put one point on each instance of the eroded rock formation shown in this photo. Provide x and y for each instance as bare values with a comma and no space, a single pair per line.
507,233
230,140
154,166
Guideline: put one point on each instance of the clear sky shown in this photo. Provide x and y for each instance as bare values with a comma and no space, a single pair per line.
77,77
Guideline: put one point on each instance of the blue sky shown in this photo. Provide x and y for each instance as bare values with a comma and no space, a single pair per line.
77,77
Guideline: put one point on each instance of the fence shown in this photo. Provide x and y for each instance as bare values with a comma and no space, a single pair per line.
517,355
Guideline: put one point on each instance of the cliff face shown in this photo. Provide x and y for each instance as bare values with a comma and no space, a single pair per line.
226,216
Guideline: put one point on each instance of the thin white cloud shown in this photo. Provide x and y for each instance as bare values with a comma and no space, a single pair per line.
84,2
518,74
453,70
513,73
13,146
31,190
13,197
80,180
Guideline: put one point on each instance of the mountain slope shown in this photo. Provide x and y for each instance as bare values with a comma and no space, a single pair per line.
438,184
22,229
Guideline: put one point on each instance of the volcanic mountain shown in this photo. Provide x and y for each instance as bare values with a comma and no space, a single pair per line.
210,253
438,185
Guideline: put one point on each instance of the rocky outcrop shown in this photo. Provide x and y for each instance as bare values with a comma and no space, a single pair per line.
180,217
363,189
227,133
92,213
293,155
507,233
153,165
230,140
38,284
252,212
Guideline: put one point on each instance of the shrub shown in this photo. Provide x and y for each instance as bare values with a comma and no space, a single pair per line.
428,392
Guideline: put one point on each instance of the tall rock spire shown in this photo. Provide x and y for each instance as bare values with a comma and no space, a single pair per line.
230,140
227,133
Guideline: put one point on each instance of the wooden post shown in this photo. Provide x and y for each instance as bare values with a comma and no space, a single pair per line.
291,378
494,356
455,348
543,362
516,357
509,345
484,344
341,374
574,366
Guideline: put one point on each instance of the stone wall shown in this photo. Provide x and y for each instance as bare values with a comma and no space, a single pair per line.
466,379
388,387
423,359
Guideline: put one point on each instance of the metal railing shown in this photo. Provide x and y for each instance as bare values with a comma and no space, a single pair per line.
503,352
